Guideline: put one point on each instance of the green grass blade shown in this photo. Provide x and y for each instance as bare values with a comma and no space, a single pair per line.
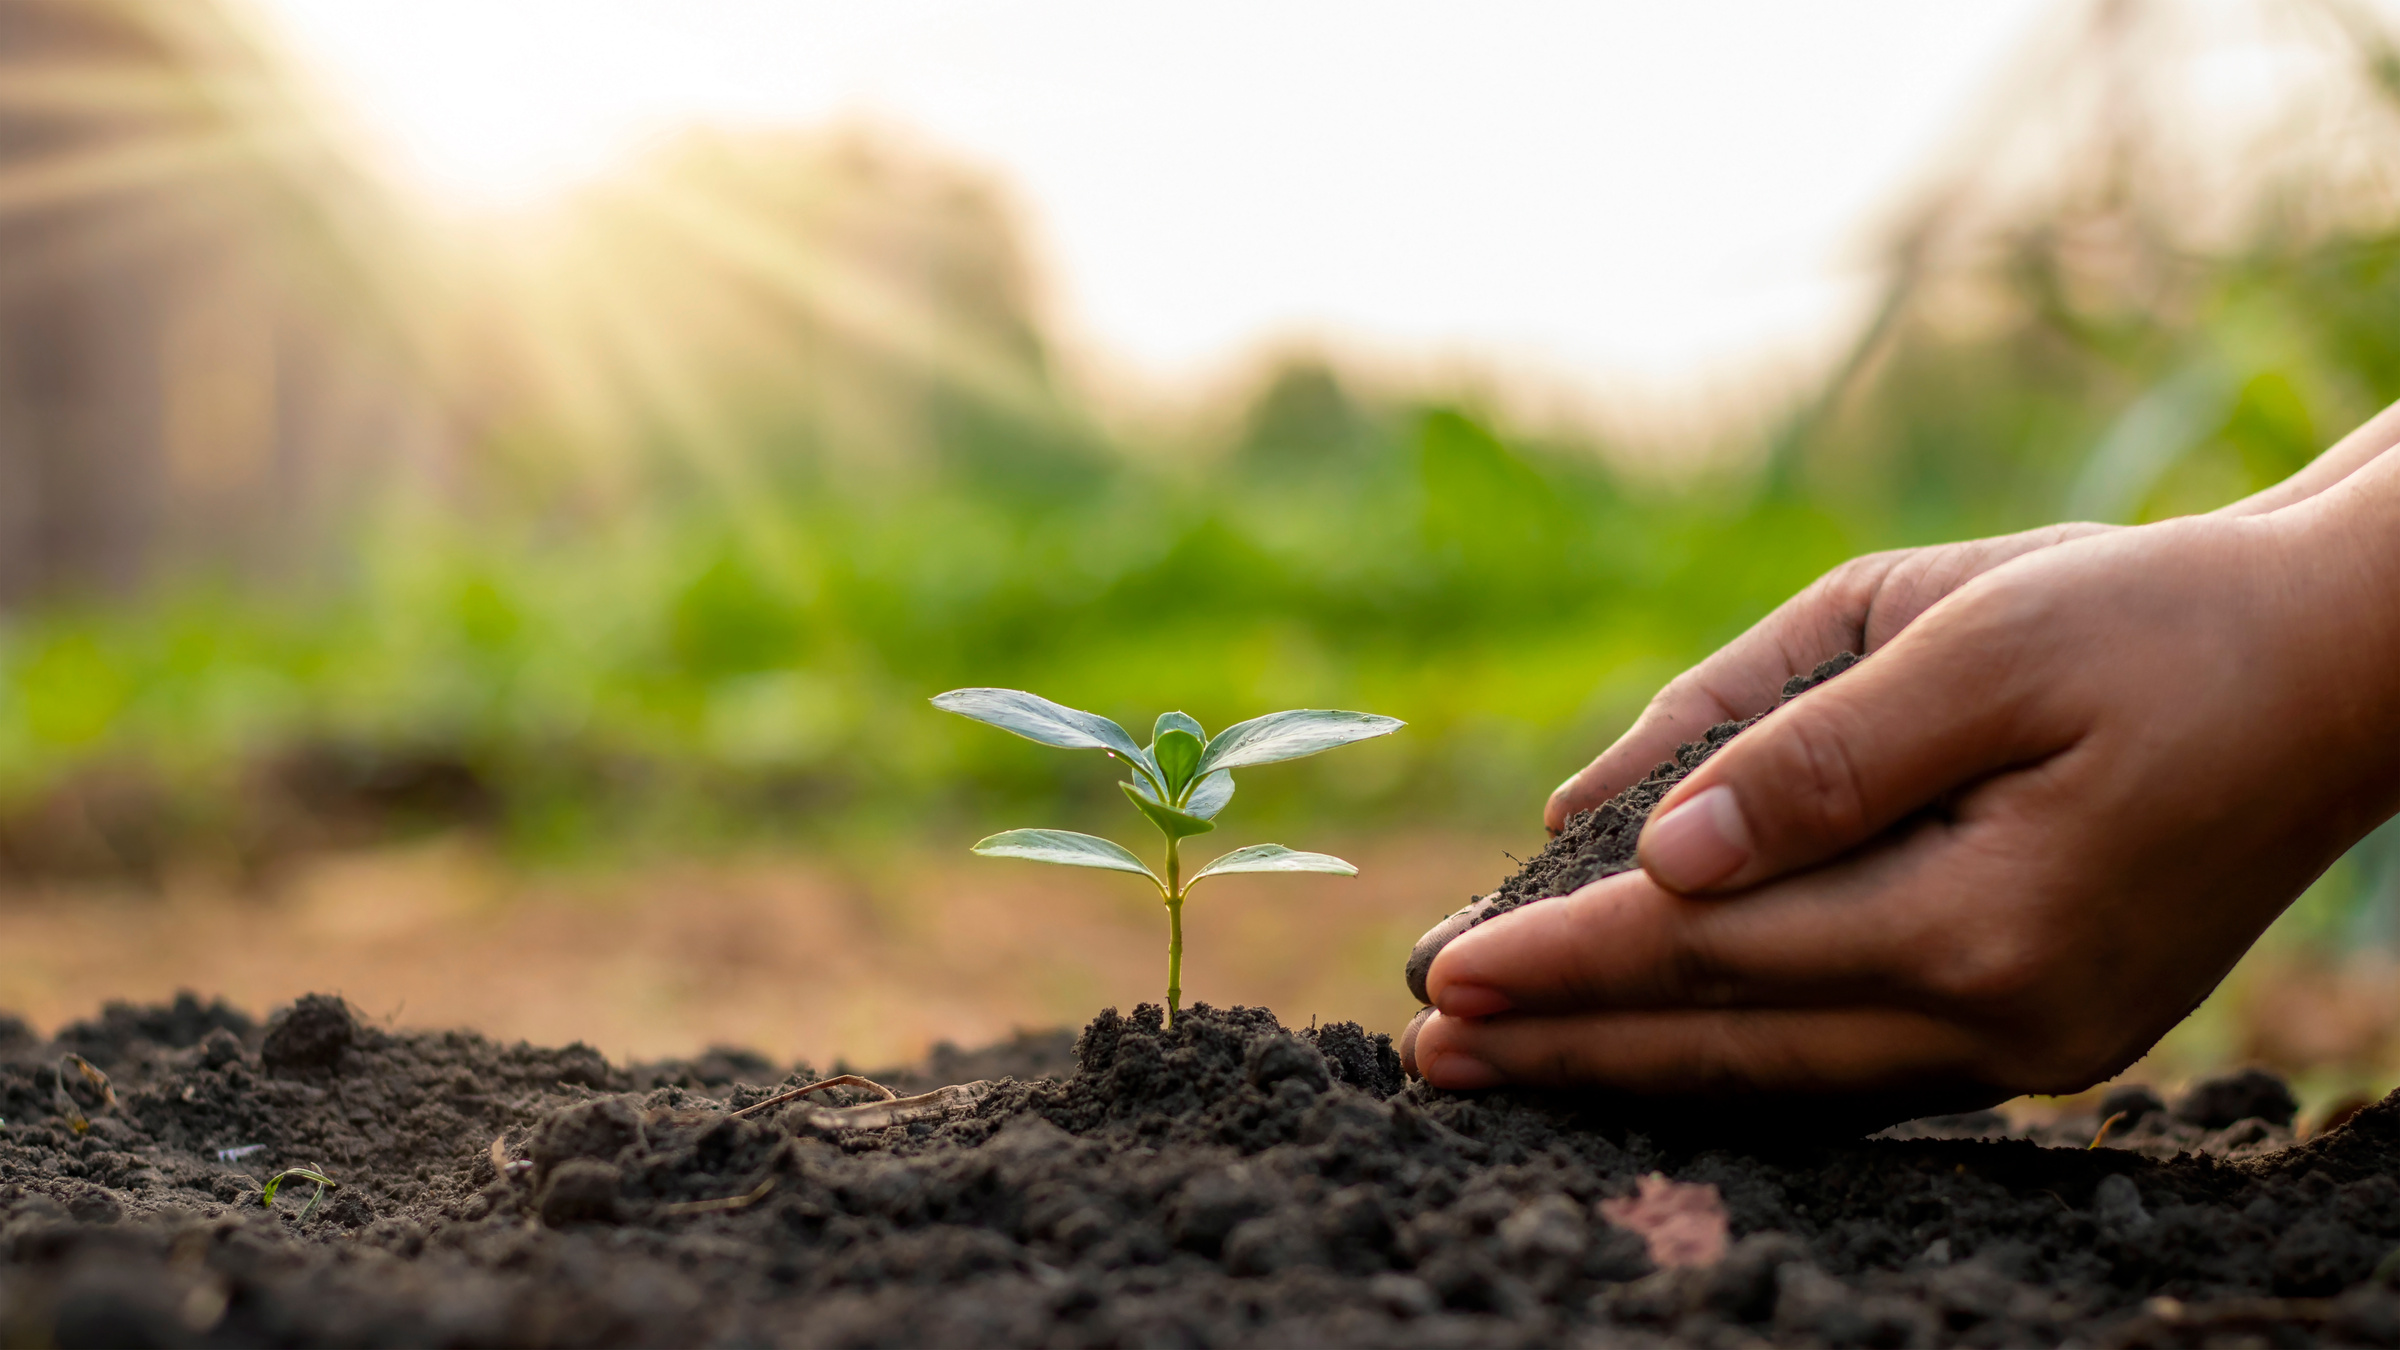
266,1193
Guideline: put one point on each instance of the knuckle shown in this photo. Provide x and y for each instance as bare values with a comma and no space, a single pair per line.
1852,587
1672,707
2007,602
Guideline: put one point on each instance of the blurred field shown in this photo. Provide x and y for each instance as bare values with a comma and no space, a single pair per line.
528,623
798,958
871,964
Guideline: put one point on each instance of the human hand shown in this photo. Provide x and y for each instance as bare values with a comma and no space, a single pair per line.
1857,607
2078,785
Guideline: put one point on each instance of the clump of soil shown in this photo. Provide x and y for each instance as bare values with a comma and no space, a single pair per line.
1225,1181
1599,843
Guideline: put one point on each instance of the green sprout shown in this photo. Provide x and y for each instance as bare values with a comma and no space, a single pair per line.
266,1195
1181,780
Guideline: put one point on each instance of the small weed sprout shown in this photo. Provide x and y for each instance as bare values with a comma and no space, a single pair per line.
266,1194
64,1102
1181,780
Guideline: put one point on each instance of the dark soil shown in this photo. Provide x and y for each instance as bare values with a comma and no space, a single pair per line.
1224,1182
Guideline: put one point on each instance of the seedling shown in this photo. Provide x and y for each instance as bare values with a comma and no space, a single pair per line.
64,1101
1181,780
266,1194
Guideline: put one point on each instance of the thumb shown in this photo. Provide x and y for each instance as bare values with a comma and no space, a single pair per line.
1842,763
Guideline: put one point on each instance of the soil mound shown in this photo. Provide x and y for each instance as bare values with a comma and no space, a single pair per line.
1226,1181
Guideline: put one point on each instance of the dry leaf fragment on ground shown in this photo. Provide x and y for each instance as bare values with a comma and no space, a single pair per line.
1682,1221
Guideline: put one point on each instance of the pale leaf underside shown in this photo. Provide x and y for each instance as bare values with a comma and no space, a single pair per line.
1065,848
1275,858
1291,735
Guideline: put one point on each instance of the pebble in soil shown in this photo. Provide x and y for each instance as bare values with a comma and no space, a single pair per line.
1227,1181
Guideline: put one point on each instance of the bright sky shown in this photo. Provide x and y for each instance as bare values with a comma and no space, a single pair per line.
1620,192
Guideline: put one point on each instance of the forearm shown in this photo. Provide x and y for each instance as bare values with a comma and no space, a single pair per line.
2348,455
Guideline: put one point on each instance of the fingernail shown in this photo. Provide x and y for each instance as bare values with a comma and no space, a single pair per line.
1698,844
1408,1042
1471,1000
1459,1072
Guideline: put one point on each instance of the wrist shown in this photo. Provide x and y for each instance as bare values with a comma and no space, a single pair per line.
2334,606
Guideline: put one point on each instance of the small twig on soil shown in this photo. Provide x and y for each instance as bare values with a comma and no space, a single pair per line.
2098,1138
838,1080
959,1099
757,1194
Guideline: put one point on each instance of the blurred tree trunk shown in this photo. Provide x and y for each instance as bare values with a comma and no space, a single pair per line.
198,369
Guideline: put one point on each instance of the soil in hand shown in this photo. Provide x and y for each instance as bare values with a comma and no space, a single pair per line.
1599,842
1596,843
1230,1181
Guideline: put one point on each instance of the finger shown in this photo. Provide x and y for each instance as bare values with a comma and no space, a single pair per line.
1408,1041
1827,937
1858,607
1702,1052
1420,957
1949,701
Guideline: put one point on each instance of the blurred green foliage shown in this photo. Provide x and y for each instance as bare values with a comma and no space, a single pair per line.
732,636
669,673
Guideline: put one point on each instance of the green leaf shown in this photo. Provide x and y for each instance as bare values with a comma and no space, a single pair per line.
1210,794
1176,824
1064,847
1038,719
1290,735
1177,754
1275,858
1175,721
1145,771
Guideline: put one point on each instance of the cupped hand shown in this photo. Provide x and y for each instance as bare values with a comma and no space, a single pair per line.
2074,779
1856,607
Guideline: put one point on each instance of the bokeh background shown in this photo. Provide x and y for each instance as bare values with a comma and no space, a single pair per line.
487,490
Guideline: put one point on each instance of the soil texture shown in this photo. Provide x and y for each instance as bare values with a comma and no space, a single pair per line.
1227,1181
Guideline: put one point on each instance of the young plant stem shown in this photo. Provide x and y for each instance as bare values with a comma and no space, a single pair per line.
1173,893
